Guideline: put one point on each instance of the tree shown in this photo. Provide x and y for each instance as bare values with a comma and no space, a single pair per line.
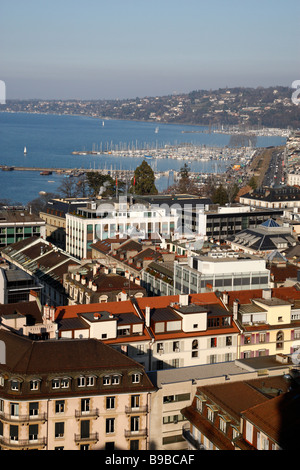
144,180
100,184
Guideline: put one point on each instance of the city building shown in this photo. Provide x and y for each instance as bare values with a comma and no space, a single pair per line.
282,197
18,224
54,216
264,239
16,285
244,415
46,263
105,219
219,271
268,320
93,283
176,389
93,397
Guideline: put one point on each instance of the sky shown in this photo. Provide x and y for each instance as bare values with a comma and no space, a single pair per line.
109,49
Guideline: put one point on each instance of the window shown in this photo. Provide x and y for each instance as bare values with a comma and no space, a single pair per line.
222,425
55,383
106,380
247,339
15,385
213,342
115,380
160,347
110,403
262,337
136,378
279,340
195,348
228,340
175,398
34,385
134,423
60,406
249,432
65,383
110,425
134,444
33,408
13,432
90,381
81,381
59,430
85,405
135,401
176,346
33,432
210,414
14,409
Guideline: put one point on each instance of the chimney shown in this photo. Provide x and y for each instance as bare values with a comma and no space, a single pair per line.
266,294
235,309
147,316
184,299
225,298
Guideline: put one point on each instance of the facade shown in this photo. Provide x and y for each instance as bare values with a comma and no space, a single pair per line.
55,218
273,198
219,222
221,416
19,224
268,321
92,398
107,219
218,272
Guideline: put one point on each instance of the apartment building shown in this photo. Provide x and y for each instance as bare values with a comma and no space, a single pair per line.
268,320
93,397
246,415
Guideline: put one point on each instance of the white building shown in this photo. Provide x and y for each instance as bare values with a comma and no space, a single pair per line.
107,219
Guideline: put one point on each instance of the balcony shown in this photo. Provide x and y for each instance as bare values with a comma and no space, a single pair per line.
186,433
92,437
87,414
137,410
138,433
22,444
9,418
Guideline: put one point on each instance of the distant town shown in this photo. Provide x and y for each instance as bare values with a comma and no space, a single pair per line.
248,107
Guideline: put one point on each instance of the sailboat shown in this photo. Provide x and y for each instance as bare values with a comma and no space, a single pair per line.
156,130
25,150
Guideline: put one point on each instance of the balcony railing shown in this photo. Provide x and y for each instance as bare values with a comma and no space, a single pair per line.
90,413
138,409
186,433
138,433
22,443
9,418
94,436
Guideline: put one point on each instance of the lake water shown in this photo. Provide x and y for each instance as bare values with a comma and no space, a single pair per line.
51,139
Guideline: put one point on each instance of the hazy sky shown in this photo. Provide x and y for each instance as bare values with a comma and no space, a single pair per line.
97,49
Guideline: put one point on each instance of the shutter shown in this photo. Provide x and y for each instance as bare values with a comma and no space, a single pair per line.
267,337
257,338
292,334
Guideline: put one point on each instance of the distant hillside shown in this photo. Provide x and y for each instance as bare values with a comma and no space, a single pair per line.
246,107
